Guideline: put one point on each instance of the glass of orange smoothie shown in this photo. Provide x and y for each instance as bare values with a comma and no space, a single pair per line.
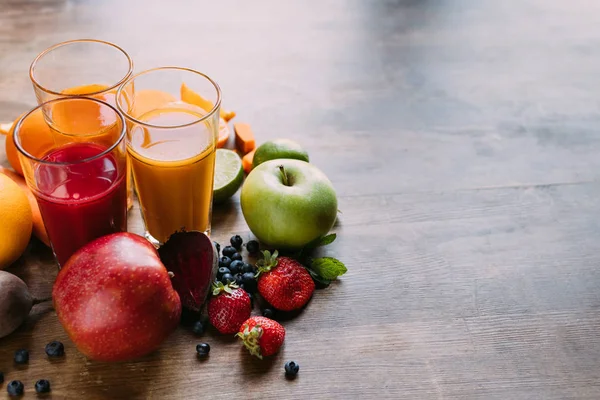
171,142
71,69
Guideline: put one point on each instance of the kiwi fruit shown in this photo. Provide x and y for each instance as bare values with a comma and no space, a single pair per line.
15,303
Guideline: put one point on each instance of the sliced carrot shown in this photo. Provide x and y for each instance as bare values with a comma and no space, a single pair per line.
247,161
5,127
244,138
38,225
191,97
223,133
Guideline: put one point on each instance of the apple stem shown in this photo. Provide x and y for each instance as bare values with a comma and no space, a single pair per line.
284,176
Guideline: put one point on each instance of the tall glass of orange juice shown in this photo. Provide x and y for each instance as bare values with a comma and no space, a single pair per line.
172,119
84,67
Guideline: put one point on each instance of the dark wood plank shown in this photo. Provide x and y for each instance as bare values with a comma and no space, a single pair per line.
462,138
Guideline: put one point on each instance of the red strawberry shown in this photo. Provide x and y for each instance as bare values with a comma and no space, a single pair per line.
284,282
262,336
228,308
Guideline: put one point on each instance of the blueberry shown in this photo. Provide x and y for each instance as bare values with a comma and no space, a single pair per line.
229,251
203,349
227,278
268,313
218,247
21,356
198,328
248,268
42,386
291,369
224,262
248,277
55,349
15,388
252,247
1,377
249,282
236,256
222,271
238,279
236,266
236,241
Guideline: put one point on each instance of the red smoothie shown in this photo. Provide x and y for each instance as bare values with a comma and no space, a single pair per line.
83,201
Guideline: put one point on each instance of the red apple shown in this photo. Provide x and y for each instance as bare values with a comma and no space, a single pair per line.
115,299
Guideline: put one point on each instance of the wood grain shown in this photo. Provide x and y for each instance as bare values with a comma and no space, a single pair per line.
462,139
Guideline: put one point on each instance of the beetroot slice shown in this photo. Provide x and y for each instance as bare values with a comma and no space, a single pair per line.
192,260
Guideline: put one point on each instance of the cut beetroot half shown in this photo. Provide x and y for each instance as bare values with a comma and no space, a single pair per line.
191,258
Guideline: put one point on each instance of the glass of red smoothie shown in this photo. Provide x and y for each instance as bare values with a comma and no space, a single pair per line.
76,168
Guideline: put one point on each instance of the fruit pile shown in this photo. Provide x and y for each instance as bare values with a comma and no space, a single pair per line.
119,298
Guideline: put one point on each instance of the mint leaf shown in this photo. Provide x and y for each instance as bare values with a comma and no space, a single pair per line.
321,241
318,279
328,268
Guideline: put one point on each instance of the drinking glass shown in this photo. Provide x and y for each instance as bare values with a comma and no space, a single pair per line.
83,67
172,119
78,175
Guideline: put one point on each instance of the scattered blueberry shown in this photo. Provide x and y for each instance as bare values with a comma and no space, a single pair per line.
236,256
268,313
248,268
224,262
55,349
229,251
238,279
236,266
222,271
291,369
227,278
236,241
198,328
15,388
252,247
21,356
42,386
1,377
218,247
203,349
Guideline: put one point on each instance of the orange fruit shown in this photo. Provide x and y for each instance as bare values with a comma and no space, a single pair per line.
36,138
39,229
16,217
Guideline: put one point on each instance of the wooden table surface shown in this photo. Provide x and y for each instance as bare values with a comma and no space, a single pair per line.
463,140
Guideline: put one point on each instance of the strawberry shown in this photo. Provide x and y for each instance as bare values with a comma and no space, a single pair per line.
228,308
284,282
262,336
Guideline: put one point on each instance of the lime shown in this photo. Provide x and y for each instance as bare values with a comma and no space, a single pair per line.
278,148
229,175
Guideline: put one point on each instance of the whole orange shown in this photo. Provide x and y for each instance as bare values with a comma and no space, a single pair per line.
36,138
16,217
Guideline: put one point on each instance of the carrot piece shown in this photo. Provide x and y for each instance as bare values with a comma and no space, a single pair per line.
223,133
244,138
191,97
38,225
247,161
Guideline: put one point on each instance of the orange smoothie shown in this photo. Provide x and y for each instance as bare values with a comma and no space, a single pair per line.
173,169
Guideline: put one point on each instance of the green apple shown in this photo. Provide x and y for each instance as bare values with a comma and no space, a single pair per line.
288,203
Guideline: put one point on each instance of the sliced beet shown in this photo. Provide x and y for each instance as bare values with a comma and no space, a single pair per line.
190,256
